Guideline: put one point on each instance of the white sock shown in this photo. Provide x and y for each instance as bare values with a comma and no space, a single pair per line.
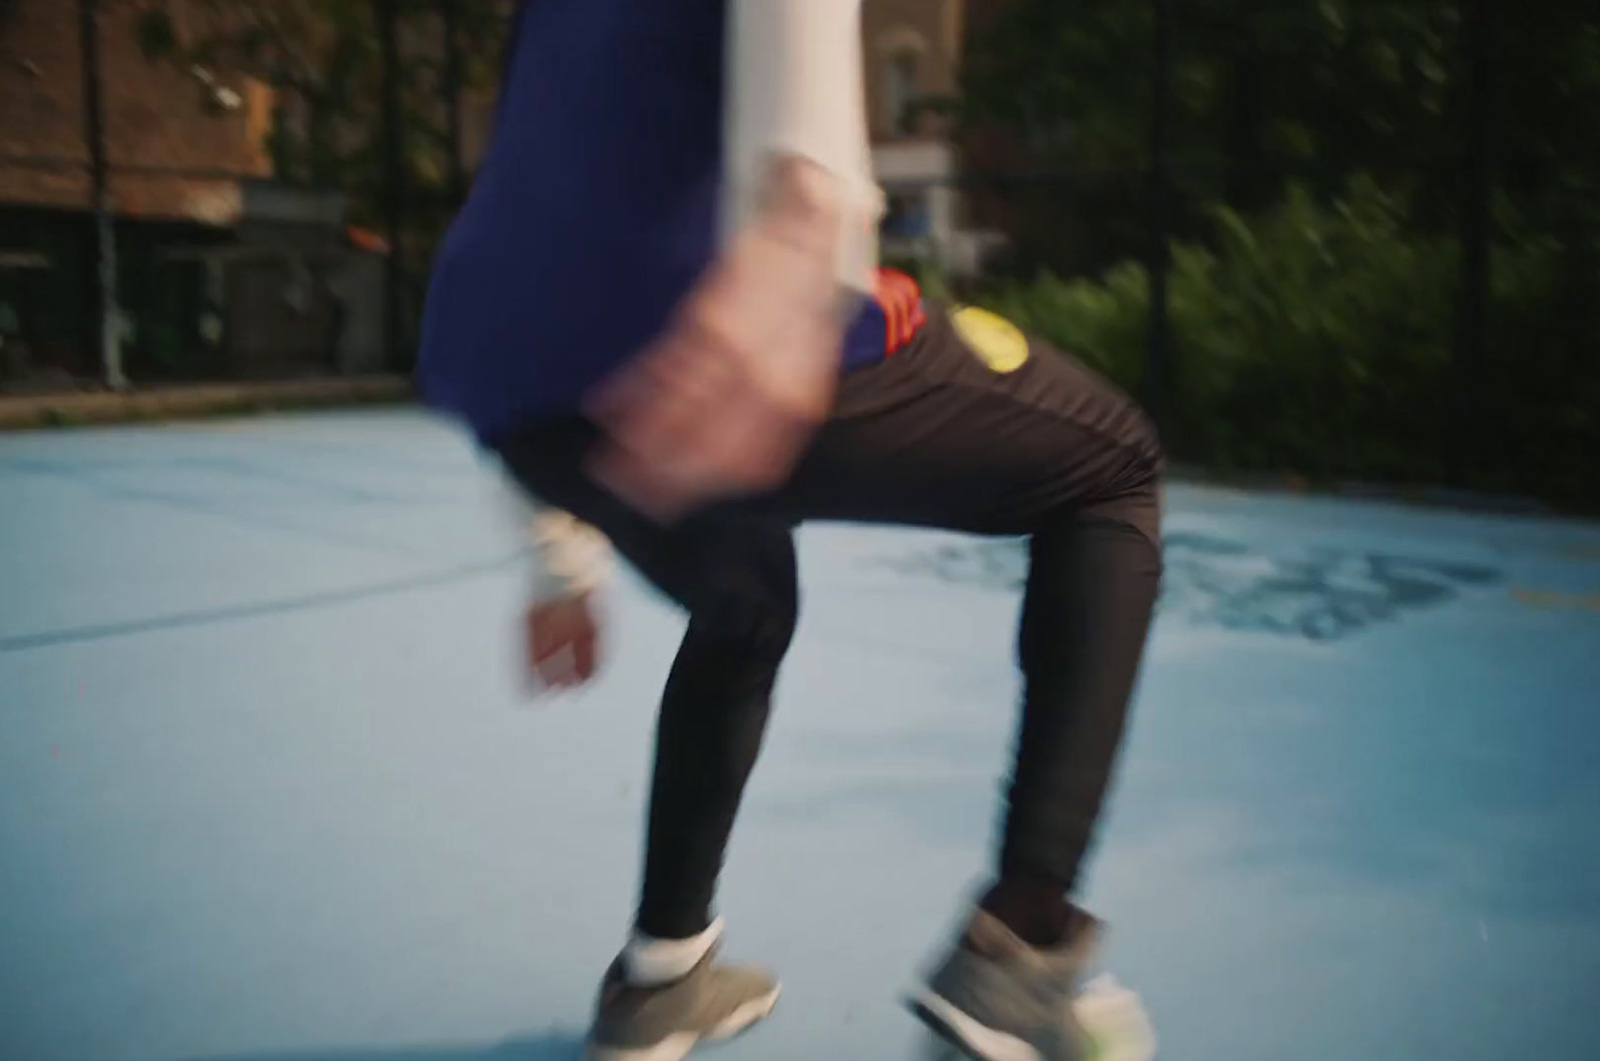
651,961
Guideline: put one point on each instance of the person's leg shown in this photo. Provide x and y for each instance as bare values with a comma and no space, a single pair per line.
713,714
1092,585
1023,442
936,436
734,573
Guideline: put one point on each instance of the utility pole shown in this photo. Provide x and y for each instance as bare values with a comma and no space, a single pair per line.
452,101
107,311
1472,311
1157,393
394,181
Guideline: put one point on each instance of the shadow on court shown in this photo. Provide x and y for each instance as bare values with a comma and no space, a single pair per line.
555,1046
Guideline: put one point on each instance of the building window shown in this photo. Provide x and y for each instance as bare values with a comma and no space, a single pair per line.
900,92
908,216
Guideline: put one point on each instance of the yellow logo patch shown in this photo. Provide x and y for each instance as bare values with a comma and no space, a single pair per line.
997,342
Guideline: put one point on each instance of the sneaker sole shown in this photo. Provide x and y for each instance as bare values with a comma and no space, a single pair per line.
1118,1027
677,1047
967,1035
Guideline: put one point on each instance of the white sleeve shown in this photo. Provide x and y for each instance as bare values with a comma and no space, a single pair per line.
569,556
795,87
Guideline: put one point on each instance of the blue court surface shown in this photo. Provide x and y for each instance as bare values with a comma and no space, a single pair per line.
269,789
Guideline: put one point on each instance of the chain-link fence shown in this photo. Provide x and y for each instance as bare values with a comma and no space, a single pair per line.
1348,240
1351,239
190,193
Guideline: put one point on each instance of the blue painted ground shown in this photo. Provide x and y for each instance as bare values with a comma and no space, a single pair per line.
268,790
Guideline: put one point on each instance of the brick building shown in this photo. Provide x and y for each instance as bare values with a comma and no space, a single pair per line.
157,117
913,53
214,258
224,272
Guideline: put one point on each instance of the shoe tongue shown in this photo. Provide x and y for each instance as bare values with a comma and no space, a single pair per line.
991,937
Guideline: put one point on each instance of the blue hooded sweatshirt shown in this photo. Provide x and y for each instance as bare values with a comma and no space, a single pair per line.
593,214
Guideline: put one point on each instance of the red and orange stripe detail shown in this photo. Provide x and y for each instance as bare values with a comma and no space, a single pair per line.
901,301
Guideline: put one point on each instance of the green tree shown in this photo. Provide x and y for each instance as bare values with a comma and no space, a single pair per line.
1305,91
323,58
1279,109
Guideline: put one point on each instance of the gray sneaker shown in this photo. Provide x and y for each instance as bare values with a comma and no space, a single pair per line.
665,1023
997,999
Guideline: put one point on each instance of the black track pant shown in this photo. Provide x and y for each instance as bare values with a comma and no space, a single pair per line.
931,437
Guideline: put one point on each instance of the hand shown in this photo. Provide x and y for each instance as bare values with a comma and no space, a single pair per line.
724,403
562,637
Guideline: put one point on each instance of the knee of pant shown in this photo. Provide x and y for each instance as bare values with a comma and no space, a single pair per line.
1139,497
1137,513
748,621
1150,457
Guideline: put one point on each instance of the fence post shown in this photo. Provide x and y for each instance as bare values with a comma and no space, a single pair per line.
1157,396
452,101
393,183
1472,309
107,311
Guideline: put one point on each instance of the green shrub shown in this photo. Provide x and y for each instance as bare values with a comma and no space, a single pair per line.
1103,324
1315,338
